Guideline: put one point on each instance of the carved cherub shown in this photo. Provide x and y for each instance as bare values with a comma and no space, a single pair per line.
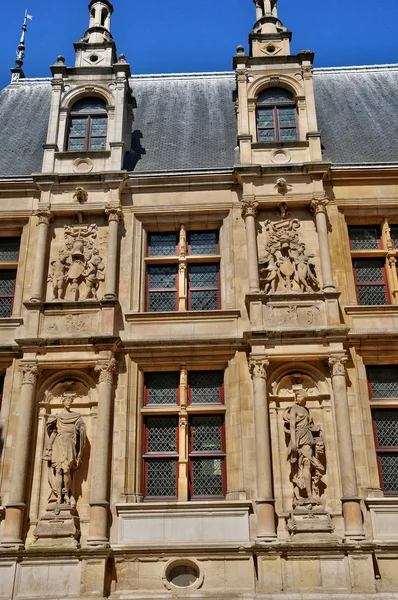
94,273
58,275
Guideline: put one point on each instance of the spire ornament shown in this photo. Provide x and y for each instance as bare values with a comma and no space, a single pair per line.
17,72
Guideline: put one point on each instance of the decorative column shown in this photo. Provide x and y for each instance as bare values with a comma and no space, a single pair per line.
45,217
249,213
15,509
259,10
183,437
114,216
318,206
265,495
391,261
99,505
351,501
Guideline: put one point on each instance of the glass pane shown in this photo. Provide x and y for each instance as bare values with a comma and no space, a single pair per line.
162,301
265,117
161,478
275,95
89,105
372,294
5,307
162,244
364,238
162,434
206,433
206,300
265,135
386,422
368,269
389,471
76,144
394,234
383,381
98,144
78,127
203,242
206,386
287,117
9,249
163,277
288,135
99,126
207,477
183,575
162,387
203,276
7,281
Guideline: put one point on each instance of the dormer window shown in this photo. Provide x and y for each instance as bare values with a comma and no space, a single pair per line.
276,116
88,125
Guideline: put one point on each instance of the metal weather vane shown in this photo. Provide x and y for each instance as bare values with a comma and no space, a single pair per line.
17,73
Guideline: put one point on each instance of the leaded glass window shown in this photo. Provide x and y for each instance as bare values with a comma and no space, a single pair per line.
364,238
203,286
276,116
383,381
161,479
162,287
161,434
161,388
162,244
9,249
394,235
203,242
386,438
7,286
88,125
205,387
370,280
207,456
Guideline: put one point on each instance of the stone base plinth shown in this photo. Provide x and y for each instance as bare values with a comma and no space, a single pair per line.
59,526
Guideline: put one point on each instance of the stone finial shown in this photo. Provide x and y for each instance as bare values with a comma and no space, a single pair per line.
60,59
240,50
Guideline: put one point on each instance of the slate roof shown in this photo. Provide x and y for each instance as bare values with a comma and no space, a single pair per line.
187,122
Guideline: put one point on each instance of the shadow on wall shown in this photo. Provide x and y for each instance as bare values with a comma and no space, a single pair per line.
136,151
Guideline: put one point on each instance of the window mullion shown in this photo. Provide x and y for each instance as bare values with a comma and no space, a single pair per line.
183,437
88,134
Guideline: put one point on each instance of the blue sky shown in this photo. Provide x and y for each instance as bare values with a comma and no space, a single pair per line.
183,36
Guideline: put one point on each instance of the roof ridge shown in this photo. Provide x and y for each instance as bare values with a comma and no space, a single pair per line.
356,68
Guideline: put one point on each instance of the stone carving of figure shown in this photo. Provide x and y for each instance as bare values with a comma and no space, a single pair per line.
305,452
64,450
94,273
57,275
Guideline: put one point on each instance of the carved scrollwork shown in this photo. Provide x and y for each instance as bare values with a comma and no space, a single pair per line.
30,373
286,265
106,371
258,367
249,208
337,365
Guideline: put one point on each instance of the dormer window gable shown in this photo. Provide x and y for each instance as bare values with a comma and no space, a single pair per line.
276,116
88,125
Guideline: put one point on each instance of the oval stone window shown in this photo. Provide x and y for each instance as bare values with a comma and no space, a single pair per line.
183,575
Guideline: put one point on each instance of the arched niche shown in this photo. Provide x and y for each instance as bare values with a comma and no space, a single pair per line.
285,381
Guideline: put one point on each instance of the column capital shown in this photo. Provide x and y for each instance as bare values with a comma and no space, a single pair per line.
114,213
258,367
106,370
249,208
337,365
318,205
30,372
44,215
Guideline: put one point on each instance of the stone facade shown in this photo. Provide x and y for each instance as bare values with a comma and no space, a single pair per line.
302,511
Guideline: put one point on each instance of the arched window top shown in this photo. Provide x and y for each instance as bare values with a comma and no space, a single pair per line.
276,116
89,105
275,96
88,125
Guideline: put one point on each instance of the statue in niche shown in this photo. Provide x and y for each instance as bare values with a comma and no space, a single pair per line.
79,263
64,449
305,452
286,266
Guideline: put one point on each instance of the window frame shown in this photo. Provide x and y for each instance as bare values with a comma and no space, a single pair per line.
147,457
10,266
150,290
382,282
89,118
217,454
276,126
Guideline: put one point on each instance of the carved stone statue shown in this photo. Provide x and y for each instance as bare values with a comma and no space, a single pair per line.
305,452
94,273
286,266
57,275
64,450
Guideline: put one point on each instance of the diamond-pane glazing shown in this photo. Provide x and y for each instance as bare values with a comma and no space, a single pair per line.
7,282
206,433
383,381
368,269
163,277
207,477
372,294
163,244
76,144
394,234
89,105
203,276
97,144
9,249
203,242
162,301
98,126
162,387
274,96
207,300
5,307
389,470
161,478
266,135
162,436
205,387
364,238
386,427
287,117
288,135
265,117
78,127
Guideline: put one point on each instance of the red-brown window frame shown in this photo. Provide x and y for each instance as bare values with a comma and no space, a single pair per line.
222,398
148,456
88,135
379,239
190,233
146,403
149,289
382,450
198,455
276,128
204,289
383,282
177,247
